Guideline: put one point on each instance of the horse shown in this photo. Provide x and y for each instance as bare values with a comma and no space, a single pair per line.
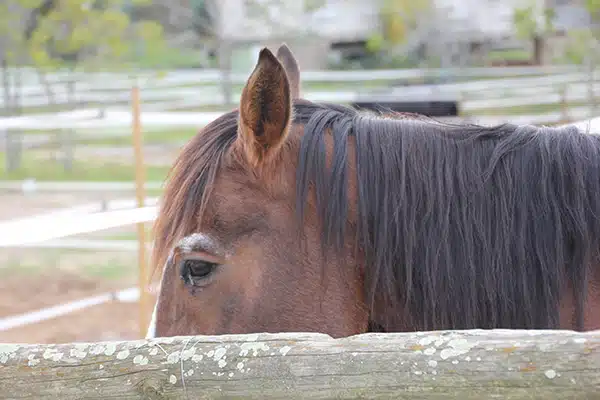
286,215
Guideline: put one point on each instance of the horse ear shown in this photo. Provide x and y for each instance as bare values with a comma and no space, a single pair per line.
287,59
265,109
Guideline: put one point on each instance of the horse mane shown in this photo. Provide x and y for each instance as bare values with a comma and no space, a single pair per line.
462,226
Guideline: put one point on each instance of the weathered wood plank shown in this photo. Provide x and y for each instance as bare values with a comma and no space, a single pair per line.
424,365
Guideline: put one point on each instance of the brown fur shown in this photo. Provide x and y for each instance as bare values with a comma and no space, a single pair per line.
292,69
265,110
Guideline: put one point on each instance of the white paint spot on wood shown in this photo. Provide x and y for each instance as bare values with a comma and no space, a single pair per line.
188,373
173,358
252,347
467,358
284,350
32,361
427,340
197,358
111,348
432,363
418,372
172,379
140,360
454,362
478,358
97,349
78,353
231,374
219,353
52,354
222,363
188,354
101,366
580,340
550,374
429,351
123,354
210,353
456,347
240,366
7,351
153,351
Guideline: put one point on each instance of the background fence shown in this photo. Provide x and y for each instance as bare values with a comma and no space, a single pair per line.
94,112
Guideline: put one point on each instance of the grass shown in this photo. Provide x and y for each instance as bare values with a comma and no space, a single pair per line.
129,235
509,55
45,169
109,270
171,136
85,263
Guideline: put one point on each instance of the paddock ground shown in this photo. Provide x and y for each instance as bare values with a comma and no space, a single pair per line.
31,279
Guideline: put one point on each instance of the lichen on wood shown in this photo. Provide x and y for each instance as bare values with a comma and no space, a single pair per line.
463,365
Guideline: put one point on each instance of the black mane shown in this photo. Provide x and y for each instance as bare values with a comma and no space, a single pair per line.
461,226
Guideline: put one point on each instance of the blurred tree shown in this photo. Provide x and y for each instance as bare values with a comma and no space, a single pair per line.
399,20
212,25
529,27
51,35
400,17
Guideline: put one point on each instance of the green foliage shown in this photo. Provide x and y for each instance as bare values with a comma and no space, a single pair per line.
593,7
399,17
581,41
375,43
79,34
524,19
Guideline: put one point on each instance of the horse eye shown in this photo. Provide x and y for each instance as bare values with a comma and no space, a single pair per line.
193,271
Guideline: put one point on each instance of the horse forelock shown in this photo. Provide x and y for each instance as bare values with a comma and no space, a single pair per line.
189,185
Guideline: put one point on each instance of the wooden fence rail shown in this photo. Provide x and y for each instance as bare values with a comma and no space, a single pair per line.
465,365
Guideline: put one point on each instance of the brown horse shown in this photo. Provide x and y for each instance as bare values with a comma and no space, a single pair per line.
293,216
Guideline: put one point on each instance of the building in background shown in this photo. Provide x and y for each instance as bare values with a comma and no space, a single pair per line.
456,31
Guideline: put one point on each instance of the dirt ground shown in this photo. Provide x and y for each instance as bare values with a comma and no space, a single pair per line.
32,279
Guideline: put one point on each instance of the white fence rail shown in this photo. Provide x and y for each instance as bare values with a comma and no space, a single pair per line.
186,89
120,80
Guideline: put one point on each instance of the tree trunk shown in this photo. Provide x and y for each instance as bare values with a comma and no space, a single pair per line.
538,49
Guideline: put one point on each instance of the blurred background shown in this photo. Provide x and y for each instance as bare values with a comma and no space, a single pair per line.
67,127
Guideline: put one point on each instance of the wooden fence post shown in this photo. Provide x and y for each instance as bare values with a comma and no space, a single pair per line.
450,365
140,178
